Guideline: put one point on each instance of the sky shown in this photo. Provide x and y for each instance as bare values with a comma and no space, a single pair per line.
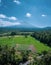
31,13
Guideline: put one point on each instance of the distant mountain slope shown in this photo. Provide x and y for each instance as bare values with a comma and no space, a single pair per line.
18,28
47,28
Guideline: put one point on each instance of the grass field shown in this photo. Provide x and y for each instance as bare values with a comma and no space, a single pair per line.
24,42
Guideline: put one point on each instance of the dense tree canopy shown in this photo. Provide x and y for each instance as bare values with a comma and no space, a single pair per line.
9,56
43,36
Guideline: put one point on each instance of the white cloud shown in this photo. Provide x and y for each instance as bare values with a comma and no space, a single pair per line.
28,15
8,23
9,18
43,15
0,1
2,16
17,2
12,18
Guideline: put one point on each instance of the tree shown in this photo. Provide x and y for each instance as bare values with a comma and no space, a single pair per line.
13,33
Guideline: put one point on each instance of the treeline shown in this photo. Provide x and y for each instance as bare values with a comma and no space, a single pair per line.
15,33
9,56
43,36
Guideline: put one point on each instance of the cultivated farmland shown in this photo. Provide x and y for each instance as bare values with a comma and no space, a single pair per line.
23,42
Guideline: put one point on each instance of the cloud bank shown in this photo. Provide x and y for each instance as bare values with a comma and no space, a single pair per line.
2,16
5,17
12,18
4,22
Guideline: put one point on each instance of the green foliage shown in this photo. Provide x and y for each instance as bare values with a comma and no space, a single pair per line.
9,56
13,33
43,36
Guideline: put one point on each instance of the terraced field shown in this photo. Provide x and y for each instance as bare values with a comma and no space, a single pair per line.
24,43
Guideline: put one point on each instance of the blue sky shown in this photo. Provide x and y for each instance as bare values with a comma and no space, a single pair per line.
25,12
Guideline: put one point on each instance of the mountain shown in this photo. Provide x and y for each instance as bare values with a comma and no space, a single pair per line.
23,29
47,28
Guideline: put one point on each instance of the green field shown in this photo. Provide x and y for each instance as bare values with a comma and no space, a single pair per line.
24,42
